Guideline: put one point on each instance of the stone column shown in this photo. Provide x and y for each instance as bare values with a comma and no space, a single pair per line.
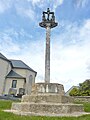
47,55
48,22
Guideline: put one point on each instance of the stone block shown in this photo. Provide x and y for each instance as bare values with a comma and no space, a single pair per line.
48,88
47,108
51,98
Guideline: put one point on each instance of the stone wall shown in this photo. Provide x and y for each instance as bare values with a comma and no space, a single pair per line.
82,98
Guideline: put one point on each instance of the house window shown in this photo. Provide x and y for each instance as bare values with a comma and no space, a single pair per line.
30,79
14,83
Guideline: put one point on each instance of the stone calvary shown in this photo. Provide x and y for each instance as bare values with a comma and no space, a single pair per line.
47,98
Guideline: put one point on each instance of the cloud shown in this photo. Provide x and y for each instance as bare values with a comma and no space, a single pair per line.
7,44
69,54
72,53
26,8
22,8
56,3
26,12
36,1
4,5
10,38
53,4
81,3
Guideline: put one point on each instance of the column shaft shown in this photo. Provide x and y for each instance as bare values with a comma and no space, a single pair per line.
47,56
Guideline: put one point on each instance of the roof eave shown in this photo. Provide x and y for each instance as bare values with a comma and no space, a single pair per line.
25,68
15,77
5,59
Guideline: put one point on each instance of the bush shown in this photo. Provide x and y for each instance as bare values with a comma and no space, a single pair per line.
83,90
74,92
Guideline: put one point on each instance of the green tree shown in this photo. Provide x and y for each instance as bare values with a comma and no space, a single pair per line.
74,92
83,90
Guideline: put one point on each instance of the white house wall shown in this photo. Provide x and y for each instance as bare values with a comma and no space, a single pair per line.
26,74
20,84
28,83
5,68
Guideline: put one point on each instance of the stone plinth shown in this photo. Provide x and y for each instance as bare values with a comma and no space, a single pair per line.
48,88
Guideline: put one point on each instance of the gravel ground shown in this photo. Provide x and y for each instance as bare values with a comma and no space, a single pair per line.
8,98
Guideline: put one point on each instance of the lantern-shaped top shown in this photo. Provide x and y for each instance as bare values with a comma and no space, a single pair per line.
48,18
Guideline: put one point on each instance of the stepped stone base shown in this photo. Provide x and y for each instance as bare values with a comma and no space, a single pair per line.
49,108
47,104
46,98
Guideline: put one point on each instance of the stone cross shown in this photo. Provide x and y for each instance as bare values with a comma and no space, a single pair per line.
48,22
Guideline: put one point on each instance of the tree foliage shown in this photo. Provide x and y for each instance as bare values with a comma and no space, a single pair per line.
74,92
83,90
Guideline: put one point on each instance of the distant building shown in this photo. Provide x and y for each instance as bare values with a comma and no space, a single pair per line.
67,93
15,76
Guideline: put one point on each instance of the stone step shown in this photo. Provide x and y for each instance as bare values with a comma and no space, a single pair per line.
45,108
53,98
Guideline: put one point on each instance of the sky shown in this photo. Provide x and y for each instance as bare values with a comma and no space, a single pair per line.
22,38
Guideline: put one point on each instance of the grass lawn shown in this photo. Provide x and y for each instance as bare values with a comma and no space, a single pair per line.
86,106
10,116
